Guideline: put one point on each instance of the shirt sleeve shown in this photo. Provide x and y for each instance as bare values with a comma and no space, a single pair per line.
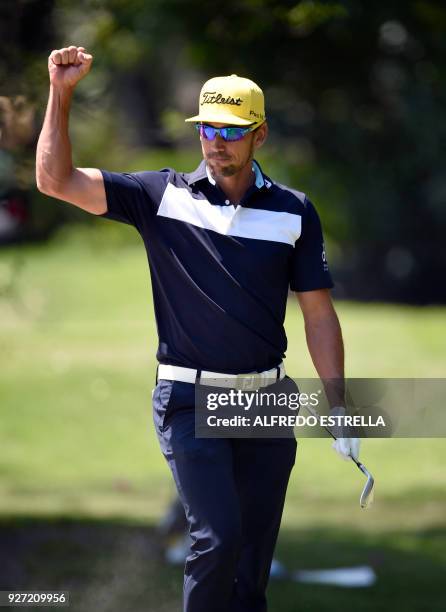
309,267
128,199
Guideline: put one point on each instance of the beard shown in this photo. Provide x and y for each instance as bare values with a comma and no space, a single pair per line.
220,166
218,170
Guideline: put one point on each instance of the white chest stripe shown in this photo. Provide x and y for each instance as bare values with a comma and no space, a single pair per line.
178,203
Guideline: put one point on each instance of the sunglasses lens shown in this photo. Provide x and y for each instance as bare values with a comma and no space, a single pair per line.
208,132
230,134
233,133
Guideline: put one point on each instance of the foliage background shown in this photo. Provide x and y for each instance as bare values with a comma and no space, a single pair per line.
355,99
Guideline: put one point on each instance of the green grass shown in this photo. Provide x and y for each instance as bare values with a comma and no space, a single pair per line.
78,342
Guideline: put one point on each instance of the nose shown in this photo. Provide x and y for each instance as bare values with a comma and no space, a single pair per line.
219,140
218,145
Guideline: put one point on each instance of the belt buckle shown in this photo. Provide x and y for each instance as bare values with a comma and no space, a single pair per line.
248,382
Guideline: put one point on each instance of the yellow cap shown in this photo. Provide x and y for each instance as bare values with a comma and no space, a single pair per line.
232,100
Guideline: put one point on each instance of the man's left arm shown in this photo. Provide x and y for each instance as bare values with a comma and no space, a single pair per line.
324,340
323,333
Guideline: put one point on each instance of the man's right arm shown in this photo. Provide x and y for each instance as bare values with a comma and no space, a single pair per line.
55,174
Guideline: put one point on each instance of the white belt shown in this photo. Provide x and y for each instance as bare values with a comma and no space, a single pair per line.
244,382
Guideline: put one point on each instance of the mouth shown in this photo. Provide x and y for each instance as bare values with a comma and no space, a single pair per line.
217,157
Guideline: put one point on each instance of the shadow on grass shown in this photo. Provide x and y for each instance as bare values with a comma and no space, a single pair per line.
111,566
105,565
410,568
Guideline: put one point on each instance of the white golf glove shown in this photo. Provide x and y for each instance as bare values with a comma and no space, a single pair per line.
344,446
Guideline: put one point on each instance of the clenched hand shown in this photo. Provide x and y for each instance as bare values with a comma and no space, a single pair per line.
67,66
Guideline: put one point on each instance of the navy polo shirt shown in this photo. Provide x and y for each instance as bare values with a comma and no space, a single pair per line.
221,274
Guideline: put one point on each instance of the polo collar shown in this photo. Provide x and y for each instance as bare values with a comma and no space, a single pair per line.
202,173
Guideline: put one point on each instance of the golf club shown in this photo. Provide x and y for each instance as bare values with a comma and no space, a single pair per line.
367,495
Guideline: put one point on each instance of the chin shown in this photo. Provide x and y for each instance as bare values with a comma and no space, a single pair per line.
217,169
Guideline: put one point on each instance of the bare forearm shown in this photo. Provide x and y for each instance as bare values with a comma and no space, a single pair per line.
324,340
54,164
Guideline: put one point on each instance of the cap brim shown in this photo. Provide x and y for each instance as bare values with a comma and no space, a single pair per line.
220,117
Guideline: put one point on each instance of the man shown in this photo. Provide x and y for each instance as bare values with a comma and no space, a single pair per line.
224,244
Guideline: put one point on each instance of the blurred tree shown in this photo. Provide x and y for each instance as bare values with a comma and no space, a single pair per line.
355,97
362,87
26,33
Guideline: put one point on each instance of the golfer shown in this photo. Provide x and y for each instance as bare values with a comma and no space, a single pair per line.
225,243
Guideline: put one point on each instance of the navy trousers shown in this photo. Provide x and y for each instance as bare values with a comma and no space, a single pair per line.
233,492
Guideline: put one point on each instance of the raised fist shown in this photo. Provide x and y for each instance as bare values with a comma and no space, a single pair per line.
69,65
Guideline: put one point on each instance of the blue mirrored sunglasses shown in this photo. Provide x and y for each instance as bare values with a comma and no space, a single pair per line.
230,134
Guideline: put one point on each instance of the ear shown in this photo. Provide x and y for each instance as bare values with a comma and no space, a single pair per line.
260,135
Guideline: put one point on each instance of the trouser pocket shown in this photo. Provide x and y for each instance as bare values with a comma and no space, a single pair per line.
161,397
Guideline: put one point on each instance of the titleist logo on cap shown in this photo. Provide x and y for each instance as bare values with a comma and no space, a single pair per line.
212,97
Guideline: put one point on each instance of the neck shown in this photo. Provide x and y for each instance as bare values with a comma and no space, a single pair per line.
235,187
